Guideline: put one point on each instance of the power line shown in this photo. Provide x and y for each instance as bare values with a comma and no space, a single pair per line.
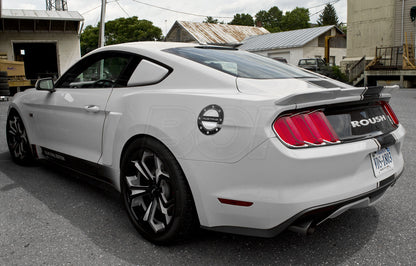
92,9
176,11
122,8
324,4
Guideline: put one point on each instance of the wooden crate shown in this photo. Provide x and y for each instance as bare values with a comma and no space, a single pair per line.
13,68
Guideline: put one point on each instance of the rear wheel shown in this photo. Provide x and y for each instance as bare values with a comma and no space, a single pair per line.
155,193
17,140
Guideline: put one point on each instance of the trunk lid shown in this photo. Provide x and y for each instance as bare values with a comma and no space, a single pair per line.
354,113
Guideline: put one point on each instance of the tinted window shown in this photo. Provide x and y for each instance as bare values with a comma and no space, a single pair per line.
240,63
98,71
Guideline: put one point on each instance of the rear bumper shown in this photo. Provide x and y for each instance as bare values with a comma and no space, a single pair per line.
287,185
315,215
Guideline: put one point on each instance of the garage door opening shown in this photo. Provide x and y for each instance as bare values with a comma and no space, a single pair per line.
40,59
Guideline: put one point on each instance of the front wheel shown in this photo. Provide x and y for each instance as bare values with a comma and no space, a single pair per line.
155,193
17,140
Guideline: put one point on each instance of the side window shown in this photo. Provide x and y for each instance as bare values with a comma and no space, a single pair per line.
100,71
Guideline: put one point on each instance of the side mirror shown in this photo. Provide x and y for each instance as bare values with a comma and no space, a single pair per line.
45,84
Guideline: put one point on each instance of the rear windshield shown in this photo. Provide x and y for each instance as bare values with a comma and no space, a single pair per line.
239,63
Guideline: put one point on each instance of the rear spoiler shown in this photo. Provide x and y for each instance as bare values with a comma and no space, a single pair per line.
336,95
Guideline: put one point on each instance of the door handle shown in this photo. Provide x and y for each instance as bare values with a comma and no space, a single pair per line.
92,108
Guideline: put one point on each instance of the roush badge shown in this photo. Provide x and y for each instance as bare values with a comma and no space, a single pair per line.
210,119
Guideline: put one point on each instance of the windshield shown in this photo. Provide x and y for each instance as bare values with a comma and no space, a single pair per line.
240,63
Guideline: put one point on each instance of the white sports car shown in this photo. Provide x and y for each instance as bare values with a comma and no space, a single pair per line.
212,136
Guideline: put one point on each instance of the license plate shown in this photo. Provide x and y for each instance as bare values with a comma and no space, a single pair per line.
382,161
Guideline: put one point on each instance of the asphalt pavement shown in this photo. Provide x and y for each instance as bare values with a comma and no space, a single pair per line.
53,217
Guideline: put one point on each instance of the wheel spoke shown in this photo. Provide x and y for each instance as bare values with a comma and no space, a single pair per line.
145,156
24,137
22,148
150,211
165,194
19,128
12,131
150,217
136,190
12,124
159,171
16,149
165,210
137,165
136,202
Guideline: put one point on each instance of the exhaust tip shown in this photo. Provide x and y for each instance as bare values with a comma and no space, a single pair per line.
303,228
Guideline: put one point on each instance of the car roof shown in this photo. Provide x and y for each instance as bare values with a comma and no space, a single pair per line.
149,45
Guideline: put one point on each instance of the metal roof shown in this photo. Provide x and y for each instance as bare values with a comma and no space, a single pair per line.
41,14
285,39
209,33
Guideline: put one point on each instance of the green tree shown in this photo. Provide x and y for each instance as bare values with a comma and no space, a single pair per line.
120,30
211,20
296,19
242,19
89,39
270,20
328,16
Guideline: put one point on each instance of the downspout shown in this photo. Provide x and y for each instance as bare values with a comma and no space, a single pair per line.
402,21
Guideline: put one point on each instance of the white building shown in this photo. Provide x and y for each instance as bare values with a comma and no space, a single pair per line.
297,44
47,41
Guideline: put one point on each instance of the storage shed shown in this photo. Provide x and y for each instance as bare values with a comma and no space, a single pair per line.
46,41
296,44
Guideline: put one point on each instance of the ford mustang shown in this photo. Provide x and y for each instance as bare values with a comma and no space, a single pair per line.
213,137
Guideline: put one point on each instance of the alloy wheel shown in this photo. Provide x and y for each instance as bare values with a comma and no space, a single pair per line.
149,192
17,139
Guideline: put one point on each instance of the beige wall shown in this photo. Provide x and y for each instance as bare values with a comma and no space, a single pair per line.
292,55
408,25
311,50
371,24
67,45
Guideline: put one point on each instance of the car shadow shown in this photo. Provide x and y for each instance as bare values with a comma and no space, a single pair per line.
96,210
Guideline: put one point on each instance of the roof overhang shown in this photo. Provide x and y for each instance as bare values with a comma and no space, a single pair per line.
17,20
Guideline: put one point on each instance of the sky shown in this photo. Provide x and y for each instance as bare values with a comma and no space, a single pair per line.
160,12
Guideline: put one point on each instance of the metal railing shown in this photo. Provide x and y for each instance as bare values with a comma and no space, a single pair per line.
389,57
357,69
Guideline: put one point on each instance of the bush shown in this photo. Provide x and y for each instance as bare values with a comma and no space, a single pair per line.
334,72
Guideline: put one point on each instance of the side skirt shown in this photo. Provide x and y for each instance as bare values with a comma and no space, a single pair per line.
83,167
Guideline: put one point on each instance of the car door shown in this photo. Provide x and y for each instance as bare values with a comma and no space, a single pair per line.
70,120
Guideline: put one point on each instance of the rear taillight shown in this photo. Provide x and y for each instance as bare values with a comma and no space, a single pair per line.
389,112
305,129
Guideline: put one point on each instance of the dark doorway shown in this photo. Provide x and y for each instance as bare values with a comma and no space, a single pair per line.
40,59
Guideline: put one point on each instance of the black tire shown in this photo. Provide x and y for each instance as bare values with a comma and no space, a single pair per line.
156,194
17,140
4,86
4,92
3,74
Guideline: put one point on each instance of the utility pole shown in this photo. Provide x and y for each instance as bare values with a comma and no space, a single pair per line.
101,39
